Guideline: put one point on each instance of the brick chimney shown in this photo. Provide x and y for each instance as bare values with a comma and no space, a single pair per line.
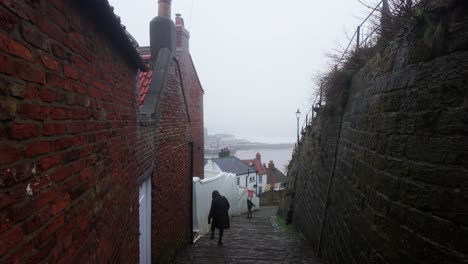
162,30
182,34
224,153
258,157
271,165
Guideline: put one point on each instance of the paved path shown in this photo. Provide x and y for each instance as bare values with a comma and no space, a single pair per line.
250,241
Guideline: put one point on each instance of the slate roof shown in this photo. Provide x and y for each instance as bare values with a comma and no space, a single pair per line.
233,165
274,175
257,164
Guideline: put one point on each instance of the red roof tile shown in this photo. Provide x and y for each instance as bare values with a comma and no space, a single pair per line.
257,164
144,80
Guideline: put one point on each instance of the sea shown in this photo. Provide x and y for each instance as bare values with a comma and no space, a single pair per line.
280,157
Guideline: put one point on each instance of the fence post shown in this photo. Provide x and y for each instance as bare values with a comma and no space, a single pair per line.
385,19
358,40
321,92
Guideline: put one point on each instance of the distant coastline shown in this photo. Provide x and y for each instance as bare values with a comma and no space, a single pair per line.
234,148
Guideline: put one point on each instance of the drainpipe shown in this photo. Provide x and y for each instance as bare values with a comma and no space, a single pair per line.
246,180
191,192
256,183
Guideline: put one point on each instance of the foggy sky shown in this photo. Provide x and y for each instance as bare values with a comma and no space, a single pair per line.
255,58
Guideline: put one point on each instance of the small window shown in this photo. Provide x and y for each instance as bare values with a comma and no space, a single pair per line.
238,181
260,179
260,189
251,179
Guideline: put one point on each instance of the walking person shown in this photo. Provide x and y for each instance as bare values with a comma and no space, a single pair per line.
219,216
250,204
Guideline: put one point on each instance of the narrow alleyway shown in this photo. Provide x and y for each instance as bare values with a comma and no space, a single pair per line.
258,240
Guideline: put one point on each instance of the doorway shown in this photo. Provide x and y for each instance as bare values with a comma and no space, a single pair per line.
145,221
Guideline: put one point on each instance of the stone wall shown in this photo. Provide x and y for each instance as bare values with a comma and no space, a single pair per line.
399,176
270,198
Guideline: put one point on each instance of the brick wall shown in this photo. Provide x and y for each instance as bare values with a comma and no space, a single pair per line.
164,142
68,134
399,191
194,95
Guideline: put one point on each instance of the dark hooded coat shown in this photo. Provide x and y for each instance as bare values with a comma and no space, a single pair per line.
250,204
219,212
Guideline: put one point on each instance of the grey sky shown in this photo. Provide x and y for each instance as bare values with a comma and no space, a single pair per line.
255,58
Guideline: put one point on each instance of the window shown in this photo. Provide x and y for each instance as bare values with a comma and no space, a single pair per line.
260,179
251,179
260,189
237,180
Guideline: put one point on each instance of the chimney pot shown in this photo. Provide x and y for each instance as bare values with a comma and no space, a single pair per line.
179,21
224,153
271,165
164,8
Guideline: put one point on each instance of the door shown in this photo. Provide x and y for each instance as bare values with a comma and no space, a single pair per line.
145,221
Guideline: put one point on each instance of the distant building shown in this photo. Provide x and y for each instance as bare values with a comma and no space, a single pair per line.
275,178
261,172
246,175
217,141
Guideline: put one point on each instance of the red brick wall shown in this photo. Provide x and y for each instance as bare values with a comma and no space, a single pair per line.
68,131
194,94
164,141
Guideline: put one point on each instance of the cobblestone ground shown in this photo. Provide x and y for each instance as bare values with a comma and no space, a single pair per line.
258,240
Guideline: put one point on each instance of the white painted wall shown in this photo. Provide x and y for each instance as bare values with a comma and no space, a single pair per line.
225,183
211,174
250,185
212,166
262,183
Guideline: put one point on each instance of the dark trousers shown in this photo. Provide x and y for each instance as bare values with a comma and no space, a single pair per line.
221,231
249,213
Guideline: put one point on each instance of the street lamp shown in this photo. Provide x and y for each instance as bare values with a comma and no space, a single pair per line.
298,114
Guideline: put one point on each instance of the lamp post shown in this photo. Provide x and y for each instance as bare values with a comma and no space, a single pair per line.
298,114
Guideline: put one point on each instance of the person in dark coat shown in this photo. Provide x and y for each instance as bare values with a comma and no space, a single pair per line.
250,204
219,216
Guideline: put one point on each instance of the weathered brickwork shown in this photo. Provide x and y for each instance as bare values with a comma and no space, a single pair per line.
164,142
68,190
194,96
400,188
